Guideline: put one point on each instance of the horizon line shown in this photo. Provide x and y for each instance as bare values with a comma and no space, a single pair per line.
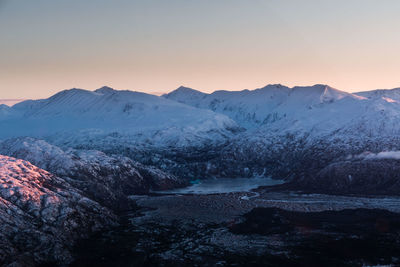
160,93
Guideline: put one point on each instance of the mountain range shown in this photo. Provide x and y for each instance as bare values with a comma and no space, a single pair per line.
317,109
147,117
291,133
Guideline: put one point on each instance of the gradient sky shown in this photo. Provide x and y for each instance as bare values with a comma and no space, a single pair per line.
155,46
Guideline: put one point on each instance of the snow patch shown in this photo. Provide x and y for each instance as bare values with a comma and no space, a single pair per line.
373,156
384,155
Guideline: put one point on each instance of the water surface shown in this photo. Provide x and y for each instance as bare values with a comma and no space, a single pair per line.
224,185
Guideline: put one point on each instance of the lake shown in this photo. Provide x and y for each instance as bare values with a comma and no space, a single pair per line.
223,185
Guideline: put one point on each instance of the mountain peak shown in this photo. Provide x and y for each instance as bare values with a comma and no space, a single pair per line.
185,89
321,85
279,87
183,94
105,90
275,85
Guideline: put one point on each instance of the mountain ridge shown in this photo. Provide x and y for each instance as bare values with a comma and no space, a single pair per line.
254,108
107,110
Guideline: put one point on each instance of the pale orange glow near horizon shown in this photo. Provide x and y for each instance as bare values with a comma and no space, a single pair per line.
155,46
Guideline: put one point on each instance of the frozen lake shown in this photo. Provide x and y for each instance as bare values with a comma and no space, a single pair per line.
224,185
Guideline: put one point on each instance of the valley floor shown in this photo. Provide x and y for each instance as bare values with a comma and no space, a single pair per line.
254,228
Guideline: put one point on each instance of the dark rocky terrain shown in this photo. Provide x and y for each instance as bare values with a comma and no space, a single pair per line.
360,176
229,230
349,237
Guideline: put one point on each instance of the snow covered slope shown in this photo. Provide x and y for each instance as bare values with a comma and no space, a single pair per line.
316,110
147,117
266,105
390,95
186,95
296,132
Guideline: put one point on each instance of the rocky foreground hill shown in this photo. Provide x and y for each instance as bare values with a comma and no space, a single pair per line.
43,212
41,215
108,179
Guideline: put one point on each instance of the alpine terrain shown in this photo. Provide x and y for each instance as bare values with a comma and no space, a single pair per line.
117,171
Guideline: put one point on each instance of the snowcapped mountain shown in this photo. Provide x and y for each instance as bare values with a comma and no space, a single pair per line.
186,95
317,110
266,105
388,95
42,215
283,132
149,118
297,132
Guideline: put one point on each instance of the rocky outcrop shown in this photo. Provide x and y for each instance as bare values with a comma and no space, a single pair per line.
44,210
41,215
106,179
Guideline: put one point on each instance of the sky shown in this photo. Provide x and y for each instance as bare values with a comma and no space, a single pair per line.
156,46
